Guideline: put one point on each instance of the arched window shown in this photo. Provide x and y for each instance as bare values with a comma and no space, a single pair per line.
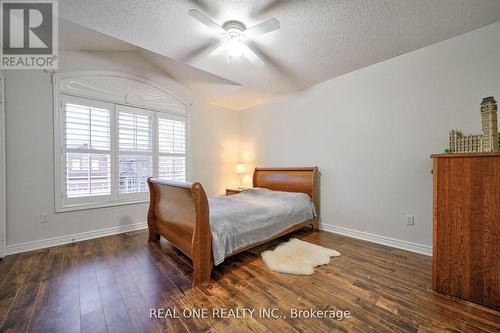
112,132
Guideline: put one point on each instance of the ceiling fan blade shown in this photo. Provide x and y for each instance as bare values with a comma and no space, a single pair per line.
195,13
251,56
199,52
218,50
264,27
269,6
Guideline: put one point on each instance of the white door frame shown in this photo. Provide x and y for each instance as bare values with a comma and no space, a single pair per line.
3,207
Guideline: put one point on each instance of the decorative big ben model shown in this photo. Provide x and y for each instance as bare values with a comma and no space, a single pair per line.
490,125
487,142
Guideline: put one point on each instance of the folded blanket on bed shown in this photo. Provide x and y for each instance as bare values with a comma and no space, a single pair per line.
254,215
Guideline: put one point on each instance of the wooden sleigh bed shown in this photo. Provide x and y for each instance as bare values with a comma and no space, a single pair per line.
180,213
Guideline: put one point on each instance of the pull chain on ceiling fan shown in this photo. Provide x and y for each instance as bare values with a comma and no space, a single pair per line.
236,36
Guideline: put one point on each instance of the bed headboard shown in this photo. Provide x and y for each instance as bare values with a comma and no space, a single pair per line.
304,180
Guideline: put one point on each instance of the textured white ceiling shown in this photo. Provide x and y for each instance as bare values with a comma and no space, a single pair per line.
318,40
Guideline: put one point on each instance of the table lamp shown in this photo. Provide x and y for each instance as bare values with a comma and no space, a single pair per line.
241,169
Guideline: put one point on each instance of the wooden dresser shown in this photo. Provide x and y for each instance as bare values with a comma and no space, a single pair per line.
466,245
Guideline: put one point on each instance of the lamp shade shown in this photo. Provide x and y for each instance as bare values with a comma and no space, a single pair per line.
241,168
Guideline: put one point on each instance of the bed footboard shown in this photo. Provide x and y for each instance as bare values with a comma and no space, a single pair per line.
179,212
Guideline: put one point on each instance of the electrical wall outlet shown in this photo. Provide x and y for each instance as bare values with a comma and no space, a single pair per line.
44,218
409,219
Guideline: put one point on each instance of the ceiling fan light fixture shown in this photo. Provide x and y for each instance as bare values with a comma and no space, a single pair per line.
234,48
235,34
234,29
234,39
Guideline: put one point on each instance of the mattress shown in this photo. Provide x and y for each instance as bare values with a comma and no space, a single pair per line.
253,215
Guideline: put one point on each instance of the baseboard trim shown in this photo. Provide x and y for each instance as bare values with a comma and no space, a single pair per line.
61,240
49,242
392,242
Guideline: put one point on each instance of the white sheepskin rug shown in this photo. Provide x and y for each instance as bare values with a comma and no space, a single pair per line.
297,257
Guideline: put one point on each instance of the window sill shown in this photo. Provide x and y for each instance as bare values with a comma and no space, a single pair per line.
79,207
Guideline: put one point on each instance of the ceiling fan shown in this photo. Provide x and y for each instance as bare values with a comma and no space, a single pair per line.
236,35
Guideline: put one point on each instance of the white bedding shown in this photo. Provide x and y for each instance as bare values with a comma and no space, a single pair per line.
253,215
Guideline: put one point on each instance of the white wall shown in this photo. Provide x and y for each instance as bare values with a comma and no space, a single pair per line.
29,118
371,132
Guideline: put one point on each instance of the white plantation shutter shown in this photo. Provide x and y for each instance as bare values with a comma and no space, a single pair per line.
87,148
135,148
172,148
171,135
135,131
87,127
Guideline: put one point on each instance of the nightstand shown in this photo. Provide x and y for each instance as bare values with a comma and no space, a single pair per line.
231,191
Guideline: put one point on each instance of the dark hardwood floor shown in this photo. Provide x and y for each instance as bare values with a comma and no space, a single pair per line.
109,285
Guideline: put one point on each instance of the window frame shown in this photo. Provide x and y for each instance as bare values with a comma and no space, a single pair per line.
62,203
